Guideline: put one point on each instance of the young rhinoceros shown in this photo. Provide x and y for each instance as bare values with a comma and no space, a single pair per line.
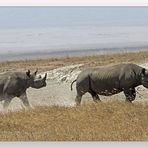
111,80
15,84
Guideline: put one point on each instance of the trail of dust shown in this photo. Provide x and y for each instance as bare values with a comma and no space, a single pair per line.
57,91
64,74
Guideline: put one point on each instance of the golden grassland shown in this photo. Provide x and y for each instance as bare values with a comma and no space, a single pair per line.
94,60
111,121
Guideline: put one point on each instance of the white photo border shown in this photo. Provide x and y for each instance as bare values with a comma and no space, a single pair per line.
73,2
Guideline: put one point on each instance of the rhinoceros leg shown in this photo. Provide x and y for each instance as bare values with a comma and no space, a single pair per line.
94,96
7,100
80,92
78,99
130,94
24,99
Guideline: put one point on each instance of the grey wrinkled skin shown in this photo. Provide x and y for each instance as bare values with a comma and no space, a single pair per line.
15,84
111,80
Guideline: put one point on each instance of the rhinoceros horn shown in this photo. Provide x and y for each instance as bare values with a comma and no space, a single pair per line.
45,77
28,73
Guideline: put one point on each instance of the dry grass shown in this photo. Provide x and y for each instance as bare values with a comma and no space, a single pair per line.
95,60
105,121
113,120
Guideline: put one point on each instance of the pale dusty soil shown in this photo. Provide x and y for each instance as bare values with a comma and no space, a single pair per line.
57,91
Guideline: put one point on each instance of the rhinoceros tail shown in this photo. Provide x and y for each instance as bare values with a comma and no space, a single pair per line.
72,84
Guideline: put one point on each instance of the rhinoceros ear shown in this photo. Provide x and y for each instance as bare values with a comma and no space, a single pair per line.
36,71
143,71
28,73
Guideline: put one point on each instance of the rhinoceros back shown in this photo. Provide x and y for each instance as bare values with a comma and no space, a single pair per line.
105,80
12,83
110,80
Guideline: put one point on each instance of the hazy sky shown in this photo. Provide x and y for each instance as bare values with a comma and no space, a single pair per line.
72,16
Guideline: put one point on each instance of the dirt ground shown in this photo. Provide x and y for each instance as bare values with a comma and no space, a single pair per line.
61,72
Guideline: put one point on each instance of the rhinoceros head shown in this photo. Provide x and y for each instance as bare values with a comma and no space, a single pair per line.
36,81
145,78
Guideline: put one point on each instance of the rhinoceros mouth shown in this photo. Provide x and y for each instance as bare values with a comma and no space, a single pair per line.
145,85
38,84
38,87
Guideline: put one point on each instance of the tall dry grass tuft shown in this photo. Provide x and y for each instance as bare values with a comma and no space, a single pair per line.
113,120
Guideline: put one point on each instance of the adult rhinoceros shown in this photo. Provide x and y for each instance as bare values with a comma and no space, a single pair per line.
111,80
15,84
